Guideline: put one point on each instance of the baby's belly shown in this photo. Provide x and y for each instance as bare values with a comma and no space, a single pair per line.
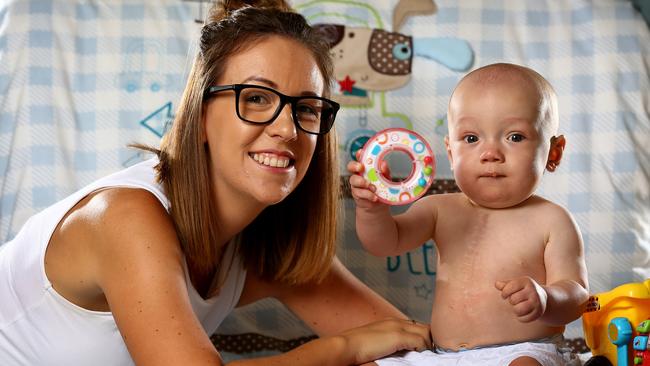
471,316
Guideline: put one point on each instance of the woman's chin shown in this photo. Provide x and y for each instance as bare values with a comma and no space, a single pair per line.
270,195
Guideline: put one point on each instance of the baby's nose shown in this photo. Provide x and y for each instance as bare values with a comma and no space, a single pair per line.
492,155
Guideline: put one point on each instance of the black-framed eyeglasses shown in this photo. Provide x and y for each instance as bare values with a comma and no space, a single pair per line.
262,105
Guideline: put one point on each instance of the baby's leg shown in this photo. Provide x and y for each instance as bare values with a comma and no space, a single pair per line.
524,361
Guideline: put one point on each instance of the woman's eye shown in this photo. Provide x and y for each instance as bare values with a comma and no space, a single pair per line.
305,109
470,139
256,99
515,137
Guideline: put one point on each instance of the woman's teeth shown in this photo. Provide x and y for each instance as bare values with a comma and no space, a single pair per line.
271,160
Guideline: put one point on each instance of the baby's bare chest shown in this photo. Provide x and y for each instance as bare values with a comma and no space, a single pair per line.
482,248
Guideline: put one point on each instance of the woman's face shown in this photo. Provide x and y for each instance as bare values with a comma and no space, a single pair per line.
261,163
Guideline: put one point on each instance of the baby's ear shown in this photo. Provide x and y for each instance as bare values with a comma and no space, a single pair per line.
555,153
451,161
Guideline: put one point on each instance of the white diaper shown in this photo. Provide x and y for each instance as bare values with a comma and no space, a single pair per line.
545,353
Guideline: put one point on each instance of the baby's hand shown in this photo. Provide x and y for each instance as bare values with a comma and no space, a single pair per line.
362,190
527,297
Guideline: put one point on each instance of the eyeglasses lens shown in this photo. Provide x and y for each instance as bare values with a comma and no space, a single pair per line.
261,106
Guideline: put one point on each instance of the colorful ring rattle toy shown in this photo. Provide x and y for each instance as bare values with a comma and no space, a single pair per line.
422,171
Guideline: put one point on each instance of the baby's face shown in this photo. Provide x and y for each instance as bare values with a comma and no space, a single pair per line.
496,145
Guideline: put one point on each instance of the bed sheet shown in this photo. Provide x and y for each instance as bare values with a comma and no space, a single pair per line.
81,79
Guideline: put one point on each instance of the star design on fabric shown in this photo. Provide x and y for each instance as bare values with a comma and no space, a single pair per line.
422,291
346,84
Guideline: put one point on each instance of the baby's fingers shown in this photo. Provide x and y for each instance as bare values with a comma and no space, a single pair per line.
510,288
363,194
355,167
385,169
518,297
357,155
526,311
361,189
359,182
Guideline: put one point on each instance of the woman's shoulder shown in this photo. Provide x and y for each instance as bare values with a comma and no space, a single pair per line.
114,209
119,201
127,214
136,264
120,224
103,234
131,225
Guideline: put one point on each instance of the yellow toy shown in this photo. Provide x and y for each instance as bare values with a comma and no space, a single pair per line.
630,301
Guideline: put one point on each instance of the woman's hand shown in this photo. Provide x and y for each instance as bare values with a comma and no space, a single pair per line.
382,338
353,347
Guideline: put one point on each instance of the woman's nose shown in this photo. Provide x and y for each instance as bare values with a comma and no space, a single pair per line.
283,126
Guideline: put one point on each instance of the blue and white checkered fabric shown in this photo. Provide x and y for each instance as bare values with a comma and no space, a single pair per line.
78,81
81,79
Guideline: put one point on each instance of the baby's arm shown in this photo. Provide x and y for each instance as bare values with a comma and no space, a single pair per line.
562,298
566,272
380,233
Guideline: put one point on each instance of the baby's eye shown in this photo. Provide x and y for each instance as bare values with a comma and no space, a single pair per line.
470,139
516,137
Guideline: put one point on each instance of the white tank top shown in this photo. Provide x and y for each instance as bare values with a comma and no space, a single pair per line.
38,326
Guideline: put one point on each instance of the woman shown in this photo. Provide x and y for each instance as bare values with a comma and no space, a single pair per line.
240,204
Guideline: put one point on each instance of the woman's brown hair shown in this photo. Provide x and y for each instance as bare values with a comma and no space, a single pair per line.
293,241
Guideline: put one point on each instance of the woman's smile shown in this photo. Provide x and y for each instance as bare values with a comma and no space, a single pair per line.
282,160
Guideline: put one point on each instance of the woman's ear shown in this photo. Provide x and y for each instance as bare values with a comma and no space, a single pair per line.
555,153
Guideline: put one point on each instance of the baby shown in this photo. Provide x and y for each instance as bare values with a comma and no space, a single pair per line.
510,270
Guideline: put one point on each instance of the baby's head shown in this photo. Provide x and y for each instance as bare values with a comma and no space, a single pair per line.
502,124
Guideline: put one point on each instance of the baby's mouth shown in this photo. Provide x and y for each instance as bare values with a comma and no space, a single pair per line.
272,160
492,175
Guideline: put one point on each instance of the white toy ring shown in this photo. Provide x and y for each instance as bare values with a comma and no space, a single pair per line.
422,172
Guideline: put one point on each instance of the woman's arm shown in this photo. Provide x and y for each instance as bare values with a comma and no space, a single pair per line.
340,302
357,324
139,268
